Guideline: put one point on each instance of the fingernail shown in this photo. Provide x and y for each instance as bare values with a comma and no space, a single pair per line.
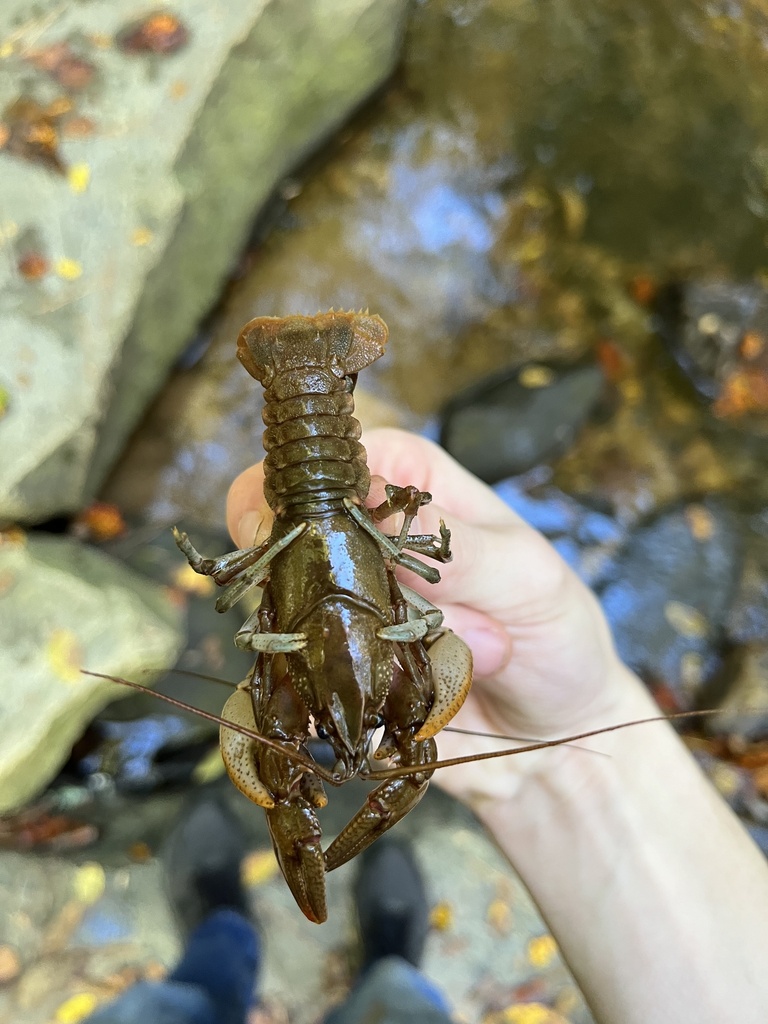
248,528
491,649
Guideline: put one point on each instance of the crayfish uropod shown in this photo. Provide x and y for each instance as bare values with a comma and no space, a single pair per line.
339,641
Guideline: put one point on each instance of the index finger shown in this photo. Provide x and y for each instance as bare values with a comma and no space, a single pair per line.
400,458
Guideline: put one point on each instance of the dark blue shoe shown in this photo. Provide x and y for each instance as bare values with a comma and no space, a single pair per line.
203,859
392,906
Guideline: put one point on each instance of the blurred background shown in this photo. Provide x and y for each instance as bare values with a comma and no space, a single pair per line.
560,210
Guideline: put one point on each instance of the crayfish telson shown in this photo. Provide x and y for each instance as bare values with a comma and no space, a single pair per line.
339,642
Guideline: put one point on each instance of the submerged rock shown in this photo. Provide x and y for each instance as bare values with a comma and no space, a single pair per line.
147,185
744,709
586,538
513,421
669,595
63,607
748,618
718,332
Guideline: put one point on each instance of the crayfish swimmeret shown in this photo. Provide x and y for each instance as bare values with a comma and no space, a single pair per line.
340,643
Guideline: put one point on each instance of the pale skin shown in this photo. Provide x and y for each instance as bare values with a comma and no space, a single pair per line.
656,895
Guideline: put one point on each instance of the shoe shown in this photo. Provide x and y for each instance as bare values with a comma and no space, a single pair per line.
391,901
203,859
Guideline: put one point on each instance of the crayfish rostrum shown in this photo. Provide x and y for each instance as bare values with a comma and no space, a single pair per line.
340,642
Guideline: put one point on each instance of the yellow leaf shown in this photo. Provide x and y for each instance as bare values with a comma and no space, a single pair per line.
259,867
542,950
574,211
686,620
532,249
77,1008
69,269
191,582
536,376
141,236
65,655
441,917
500,916
211,767
567,1001
89,883
700,521
531,1013
78,177
632,391
6,49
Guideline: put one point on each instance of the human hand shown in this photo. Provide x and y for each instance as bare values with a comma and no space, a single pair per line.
545,665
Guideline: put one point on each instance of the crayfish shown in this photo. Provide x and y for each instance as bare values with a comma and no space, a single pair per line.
340,643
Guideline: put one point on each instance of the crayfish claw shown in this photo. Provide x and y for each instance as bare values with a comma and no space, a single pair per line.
296,837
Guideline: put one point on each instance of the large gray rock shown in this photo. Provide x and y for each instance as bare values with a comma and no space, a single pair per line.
64,606
142,227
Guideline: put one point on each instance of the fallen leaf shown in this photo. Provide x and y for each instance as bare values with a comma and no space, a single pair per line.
441,917
99,522
686,620
32,133
752,345
68,269
536,376
140,852
612,360
10,964
574,211
691,671
209,768
643,289
65,655
32,266
259,867
700,521
760,777
141,236
66,67
77,1008
192,582
13,535
542,950
499,916
160,33
78,127
89,883
78,176
530,1013
154,971
745,391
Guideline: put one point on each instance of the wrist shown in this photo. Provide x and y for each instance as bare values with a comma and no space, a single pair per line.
586,775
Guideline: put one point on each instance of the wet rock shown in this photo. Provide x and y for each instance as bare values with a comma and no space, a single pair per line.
748,618
139,742
64,606
718,332
510,423
586,538
669,595
744,709
151,178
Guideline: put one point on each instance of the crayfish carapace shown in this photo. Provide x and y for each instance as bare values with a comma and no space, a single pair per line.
340,643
